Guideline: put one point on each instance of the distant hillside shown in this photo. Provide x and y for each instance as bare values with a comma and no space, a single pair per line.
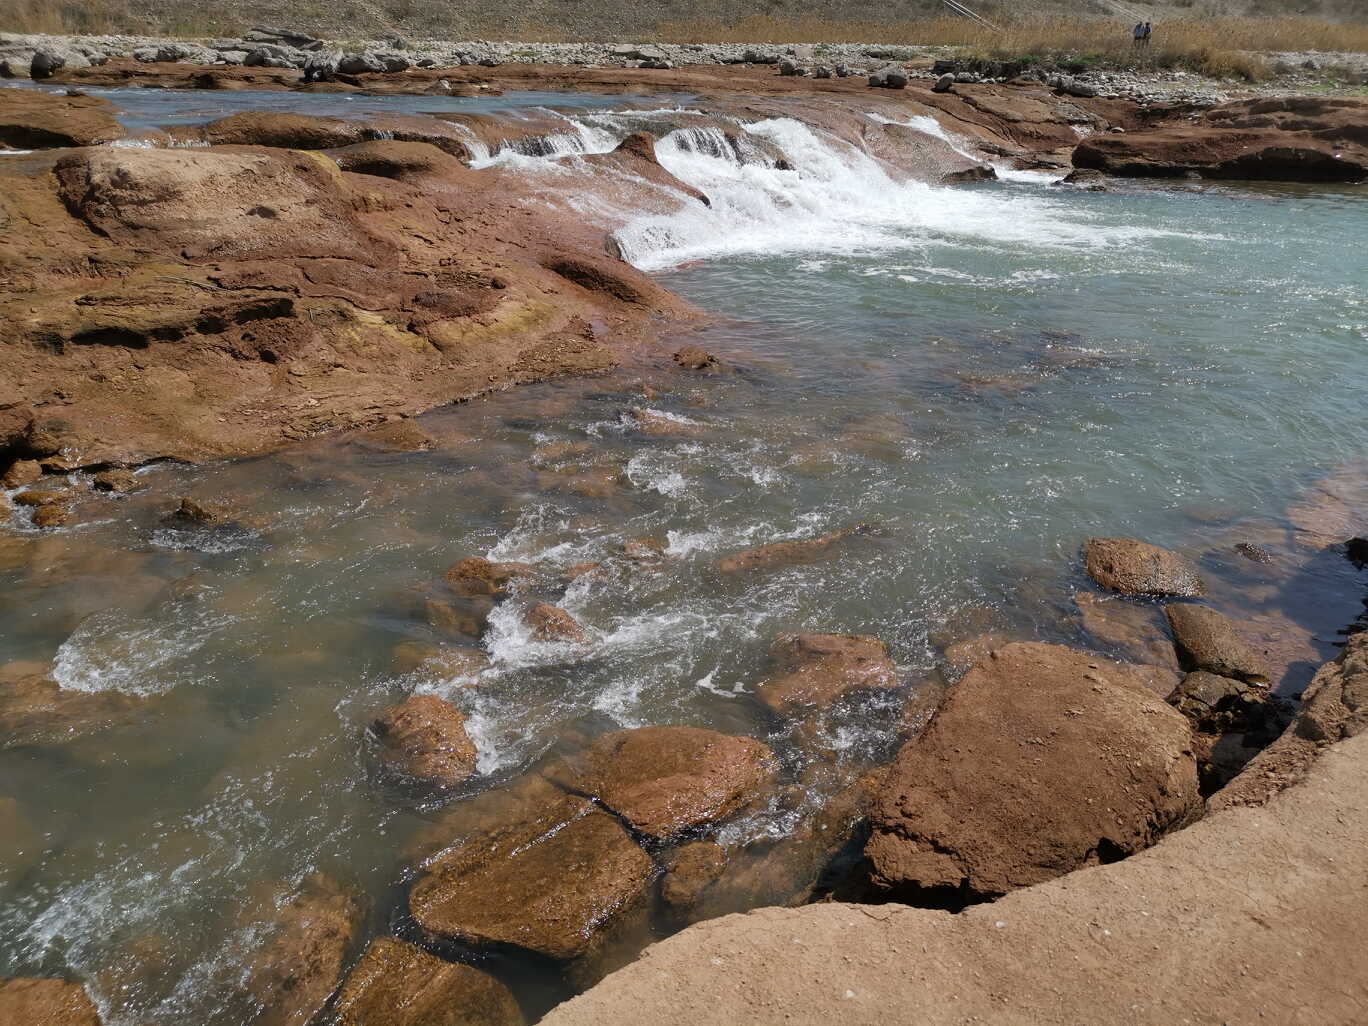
571,20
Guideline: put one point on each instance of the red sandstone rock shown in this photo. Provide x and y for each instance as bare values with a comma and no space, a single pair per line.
35,1001
1041,760
1139,568
31,119
551,623
819,669
787,553
425,738
668,780
397,984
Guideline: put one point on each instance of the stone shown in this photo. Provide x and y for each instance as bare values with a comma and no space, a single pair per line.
425,738
817,670
117,480
547,875
39,497
1206,640
689,871
944,84
35,711
695,358
437,662
192,511
21,473
1131,631
476,575
292,975
49,60
53,515
659,424
799,551
550,623
1138,568
891,77
39,1001
1216,704
1041,760
367,62
399,984
665,781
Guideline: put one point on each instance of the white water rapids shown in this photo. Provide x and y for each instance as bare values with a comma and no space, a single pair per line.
830,197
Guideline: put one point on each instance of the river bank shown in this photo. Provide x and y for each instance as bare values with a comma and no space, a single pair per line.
344,681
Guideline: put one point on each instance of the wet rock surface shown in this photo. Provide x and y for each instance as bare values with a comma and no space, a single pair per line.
293,974
1206,640
424,738
1138,568
35,710
33,1000
665,781
787,553
815,670
398,984
547,876
1073,762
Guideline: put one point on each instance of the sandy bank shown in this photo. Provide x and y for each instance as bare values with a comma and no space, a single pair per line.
1252,915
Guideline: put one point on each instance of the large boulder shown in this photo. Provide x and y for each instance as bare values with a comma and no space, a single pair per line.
665,781
1138,568
48,60
398,984
31,119
424,738
1041,760
1206,640
1288,138
816,670
475,576
38,1001
545,872
292,975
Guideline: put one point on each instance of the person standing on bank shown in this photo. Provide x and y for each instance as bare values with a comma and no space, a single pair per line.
1145,40
1139,34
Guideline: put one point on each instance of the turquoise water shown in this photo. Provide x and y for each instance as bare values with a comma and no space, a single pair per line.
985,376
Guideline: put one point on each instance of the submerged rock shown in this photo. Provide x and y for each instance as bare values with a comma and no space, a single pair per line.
39,497
1206,640
37,1001
398,984
396,436
689,871
438,662
52,515
1133,631
695,358
425,738
1138,568
787,553
816,670
547,874
665,781
658,424
1041,760
476,575
292,976
34,710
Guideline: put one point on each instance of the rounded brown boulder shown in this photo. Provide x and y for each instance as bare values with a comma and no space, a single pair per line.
818,669
476,575
1206,640
398,984
1138,568
425,738
667,780
1043,759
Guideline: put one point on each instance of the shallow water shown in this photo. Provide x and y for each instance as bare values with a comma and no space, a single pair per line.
985,375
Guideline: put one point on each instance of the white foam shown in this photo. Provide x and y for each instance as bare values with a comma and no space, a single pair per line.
111,651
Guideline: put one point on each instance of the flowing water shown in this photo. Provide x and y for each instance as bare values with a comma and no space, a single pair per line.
985,375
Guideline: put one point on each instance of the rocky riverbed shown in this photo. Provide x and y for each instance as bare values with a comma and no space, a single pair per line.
448,717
